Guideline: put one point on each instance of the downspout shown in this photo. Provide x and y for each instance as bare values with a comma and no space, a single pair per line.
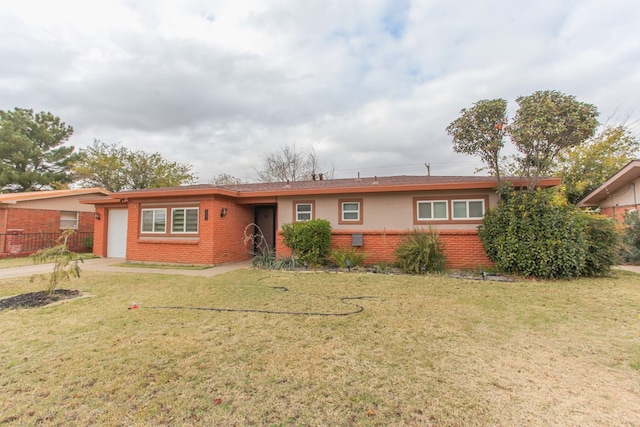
4,229
635,203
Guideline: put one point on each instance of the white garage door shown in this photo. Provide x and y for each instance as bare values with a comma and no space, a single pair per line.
117,233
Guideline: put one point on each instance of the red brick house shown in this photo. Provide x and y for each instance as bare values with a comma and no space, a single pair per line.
43,213
205,224
618,195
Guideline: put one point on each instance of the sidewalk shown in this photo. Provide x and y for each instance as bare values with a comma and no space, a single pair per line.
108,265
632,268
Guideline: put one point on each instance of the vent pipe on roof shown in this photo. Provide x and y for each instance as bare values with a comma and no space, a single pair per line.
375,180
321,176
358,179
313,177
428,165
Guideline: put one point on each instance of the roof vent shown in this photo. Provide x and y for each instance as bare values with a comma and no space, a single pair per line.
375,180
321,176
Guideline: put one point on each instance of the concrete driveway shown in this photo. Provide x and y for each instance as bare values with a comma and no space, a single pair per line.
109,265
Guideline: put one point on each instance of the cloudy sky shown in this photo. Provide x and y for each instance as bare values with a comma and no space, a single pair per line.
370,84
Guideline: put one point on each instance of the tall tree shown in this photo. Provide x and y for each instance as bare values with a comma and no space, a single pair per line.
546,123
291,163
116,168
480,131
586,166
32,152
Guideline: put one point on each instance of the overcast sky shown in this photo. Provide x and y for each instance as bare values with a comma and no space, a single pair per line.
370,84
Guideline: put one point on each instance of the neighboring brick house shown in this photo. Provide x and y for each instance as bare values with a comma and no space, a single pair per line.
206,224
43,213
618,195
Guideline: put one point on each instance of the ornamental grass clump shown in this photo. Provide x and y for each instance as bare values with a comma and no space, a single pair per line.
421,251
343,254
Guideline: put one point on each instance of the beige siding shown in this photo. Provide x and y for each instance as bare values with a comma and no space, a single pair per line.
626,198
392,211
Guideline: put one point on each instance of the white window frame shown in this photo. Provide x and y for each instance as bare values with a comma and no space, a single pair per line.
65,217
299,213
467,217
357,211
153,221
173,229
431,202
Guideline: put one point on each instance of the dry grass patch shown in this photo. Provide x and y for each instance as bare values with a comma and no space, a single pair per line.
427,350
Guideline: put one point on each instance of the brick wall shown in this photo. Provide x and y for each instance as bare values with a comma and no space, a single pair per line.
100,233
220,239
44,221
617,213
463,248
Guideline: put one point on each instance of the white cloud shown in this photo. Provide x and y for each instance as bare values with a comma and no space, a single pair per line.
371,85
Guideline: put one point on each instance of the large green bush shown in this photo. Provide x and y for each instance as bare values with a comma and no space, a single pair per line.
309,240
421,251
604,242
630,249
538,233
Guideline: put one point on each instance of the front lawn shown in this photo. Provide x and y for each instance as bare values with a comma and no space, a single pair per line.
426,350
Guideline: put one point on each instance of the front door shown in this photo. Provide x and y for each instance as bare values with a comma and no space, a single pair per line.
265,232
117,233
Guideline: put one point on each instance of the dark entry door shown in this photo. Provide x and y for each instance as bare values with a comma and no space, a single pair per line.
266,227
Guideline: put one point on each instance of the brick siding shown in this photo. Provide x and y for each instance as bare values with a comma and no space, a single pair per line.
220,239
463,248
43,221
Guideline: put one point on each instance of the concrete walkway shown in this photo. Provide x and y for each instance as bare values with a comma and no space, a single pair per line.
632,268
108,265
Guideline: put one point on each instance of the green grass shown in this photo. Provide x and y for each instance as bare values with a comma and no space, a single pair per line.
426,350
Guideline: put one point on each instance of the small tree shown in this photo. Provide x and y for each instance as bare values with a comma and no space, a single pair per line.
310,241
65,262
480,131
546,123
585,167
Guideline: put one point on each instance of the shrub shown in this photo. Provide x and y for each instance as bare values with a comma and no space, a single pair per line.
630,247
341,255
538,233
309,240
603,245
421,251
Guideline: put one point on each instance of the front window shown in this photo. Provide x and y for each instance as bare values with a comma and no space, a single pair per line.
68,219
154,220
468,209
304,211
350,211
432,210
184,220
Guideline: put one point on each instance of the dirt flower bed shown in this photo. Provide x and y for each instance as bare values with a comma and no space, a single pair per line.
37,299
